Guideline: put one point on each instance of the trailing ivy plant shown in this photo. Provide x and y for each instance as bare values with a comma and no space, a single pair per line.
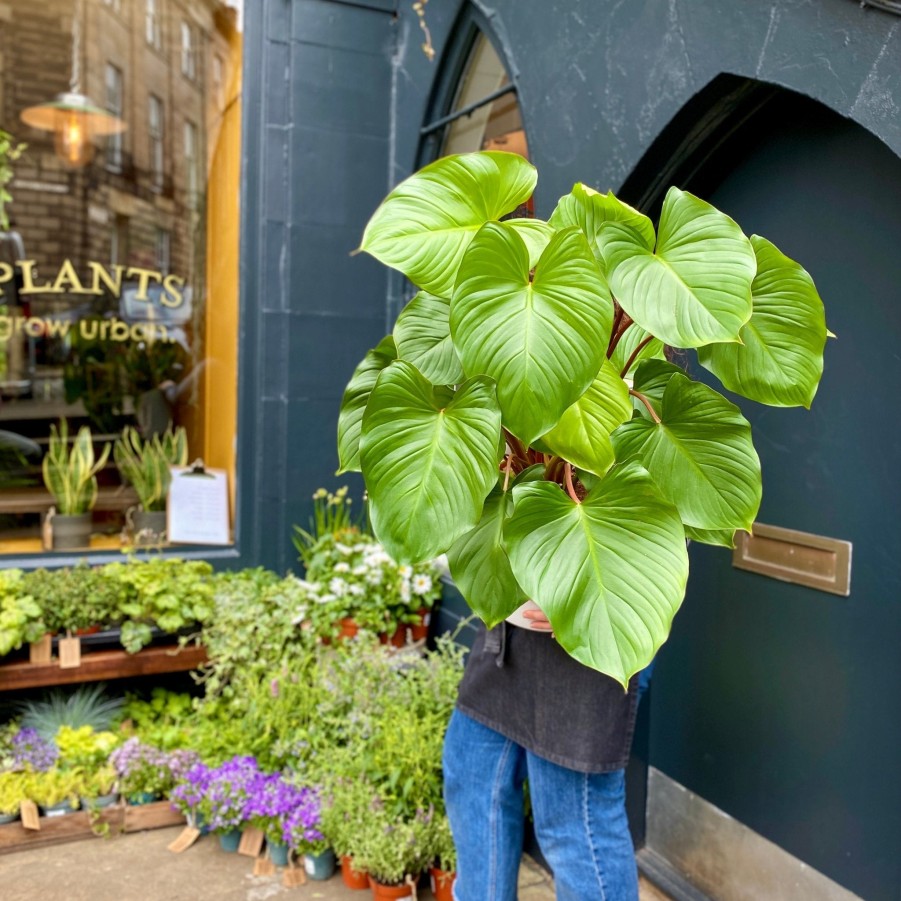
523,418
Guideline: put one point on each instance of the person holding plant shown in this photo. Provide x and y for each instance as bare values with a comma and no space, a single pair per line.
527,710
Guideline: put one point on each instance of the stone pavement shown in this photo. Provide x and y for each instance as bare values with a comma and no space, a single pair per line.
138,867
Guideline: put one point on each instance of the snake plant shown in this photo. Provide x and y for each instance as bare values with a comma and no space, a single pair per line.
145,464
70,473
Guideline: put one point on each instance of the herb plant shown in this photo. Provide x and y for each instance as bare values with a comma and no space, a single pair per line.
21,617
523,419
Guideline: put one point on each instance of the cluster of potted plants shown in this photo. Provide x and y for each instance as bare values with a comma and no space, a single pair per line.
353,584
138,598
70,469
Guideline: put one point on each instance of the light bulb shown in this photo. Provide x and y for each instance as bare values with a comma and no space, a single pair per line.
72,139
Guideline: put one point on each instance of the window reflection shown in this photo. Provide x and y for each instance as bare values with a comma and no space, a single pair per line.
118,278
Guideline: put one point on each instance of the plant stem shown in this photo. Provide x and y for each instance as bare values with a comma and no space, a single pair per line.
516,446
647,403
621,323
634,354
570,488
507,469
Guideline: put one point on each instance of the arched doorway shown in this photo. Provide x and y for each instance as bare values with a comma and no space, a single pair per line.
776,703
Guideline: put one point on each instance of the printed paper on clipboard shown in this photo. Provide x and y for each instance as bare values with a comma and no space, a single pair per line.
198,505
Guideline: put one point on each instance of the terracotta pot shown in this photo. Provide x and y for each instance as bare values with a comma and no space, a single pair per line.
89,630
348,627
442,884
420,630
390,892
352,877
397,639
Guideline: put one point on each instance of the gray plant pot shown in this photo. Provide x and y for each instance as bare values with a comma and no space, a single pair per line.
71,531
149,521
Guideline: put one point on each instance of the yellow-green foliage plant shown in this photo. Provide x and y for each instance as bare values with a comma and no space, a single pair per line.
70,473
145,464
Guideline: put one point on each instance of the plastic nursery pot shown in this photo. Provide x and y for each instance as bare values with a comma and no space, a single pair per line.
138,798
8,818
442,884
348,628
390,892
397,639
230,840
58,810
279,853
420,630
99,801
352,877
320,866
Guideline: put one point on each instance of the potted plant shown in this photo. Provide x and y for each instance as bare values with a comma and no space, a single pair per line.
56,791
523,416
15,787
70,474
21,616
443,868
145,466
344,805
392,849
10,151
79,599
143,771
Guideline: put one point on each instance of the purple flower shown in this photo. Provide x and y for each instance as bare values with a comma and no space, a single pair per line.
30,751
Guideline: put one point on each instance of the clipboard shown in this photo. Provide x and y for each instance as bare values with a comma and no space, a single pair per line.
197,506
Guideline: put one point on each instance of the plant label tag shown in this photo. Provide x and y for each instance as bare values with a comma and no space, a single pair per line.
31,819
39,652
47,529
69,653
294,876
251,842
185,839
263,866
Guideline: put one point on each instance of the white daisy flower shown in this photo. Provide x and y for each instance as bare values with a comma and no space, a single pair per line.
405,571
342,568
422,584
338,587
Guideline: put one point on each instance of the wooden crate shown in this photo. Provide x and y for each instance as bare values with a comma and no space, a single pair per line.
75,826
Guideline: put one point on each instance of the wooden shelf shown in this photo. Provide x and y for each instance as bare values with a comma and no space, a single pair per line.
74,826
101,665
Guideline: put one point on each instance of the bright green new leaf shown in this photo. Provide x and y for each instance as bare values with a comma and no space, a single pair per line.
535,233
781,358
696,289
582,436
651,379
589,210
700,454
541,338
356,396
429,457
425,224
480,567
609,573
422,333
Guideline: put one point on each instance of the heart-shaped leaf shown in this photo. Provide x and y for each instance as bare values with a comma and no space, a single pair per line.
356,396
536,235
541,338
781,358
609,573
425,224
429,457
422,333
589,210
718,537
696,289
651,379
582,436
480,567
700,454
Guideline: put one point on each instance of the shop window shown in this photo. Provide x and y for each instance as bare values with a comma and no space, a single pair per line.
114,97
119,268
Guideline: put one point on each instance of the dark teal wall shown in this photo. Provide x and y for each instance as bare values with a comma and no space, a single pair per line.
335,95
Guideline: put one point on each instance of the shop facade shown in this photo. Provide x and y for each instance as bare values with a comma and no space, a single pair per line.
769,748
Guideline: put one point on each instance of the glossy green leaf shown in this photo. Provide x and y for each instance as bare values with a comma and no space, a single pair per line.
609,573
718,537
422,333
696,288
536,235
589,210
780,361
480,567
651,379
429,457
541,339
582,436
425,224
356,396
700,454
629,343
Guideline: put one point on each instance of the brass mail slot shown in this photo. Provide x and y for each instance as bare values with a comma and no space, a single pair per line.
797,557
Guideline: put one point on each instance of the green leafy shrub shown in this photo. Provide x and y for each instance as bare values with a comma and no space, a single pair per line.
75,597
87,705
21,617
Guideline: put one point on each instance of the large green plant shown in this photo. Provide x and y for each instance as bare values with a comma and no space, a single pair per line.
70,473
145,464
523,419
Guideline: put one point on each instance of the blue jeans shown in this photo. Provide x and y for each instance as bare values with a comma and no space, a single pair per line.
580,820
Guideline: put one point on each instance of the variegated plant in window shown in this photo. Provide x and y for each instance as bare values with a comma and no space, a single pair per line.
524,418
